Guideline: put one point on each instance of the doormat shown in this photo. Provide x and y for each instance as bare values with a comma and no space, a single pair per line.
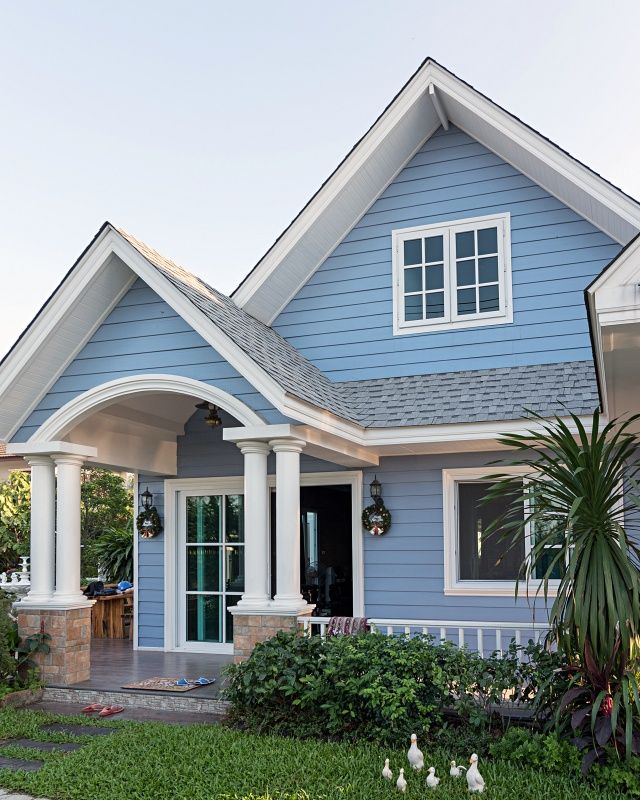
161,685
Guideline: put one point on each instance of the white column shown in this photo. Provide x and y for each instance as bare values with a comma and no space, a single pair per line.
256,526
43,530
288,597
68,532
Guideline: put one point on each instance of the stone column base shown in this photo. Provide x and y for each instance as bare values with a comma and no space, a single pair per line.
251,628
68,661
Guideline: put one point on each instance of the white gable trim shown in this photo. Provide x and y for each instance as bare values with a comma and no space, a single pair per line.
363,175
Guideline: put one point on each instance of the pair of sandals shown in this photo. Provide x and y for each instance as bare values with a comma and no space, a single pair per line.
102,711
201,681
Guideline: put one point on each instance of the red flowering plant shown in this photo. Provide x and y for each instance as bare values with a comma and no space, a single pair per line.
580,511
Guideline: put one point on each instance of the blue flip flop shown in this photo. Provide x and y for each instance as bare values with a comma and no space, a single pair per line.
201,681
182,682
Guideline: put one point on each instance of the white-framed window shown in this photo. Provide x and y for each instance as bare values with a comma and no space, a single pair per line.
473,564
454,275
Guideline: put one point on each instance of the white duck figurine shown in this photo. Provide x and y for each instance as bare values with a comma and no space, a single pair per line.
416,759
401,783
432,781
475,781
386,771
456,771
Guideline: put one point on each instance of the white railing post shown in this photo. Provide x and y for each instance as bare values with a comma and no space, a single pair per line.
499,642
480,643
461,638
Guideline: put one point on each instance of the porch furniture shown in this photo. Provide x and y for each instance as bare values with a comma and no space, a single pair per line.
127,616
107,616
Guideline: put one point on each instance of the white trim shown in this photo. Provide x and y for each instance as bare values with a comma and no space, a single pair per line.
452,320
48,447
439,107
136,557
73,412
453,586
605,206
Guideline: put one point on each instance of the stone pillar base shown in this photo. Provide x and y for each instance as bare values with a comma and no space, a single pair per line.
251,628
68,662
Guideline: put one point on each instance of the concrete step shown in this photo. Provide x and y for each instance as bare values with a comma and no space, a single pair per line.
161,701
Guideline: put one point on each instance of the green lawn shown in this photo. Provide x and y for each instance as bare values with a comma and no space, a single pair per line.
153,761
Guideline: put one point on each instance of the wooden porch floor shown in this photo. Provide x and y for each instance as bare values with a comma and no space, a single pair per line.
114,663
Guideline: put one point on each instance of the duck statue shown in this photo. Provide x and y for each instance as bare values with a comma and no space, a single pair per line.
475,781
456,771
416,759
401,783
386,771
432,781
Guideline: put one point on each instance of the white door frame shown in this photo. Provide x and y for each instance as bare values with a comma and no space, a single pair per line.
235,485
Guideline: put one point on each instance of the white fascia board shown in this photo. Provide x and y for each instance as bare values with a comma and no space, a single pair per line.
43,330
51,448
258,433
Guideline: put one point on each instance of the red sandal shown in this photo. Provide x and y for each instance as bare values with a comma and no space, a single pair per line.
107,711
93,708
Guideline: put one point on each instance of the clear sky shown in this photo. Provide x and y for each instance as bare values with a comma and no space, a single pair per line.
203,127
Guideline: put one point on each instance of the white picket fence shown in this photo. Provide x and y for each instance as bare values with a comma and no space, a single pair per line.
483,637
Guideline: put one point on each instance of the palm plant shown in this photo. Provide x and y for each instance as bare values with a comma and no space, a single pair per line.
113,551
580,520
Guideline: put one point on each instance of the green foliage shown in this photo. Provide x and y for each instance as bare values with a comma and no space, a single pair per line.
575,503
106,503
544,751
372,686
15,522
156,761
113,552
574,500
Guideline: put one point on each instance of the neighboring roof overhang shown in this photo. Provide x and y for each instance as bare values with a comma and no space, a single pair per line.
433,96
613,308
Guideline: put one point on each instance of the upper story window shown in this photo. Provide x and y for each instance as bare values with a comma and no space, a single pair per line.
452,276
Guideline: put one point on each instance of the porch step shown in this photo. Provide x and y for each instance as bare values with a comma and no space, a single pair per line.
161,701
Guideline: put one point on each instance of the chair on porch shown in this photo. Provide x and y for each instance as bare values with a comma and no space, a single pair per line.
127,617
347,626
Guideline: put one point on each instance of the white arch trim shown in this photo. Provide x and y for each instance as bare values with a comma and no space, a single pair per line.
93,400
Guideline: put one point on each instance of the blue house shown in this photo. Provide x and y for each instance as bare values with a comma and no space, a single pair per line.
430,291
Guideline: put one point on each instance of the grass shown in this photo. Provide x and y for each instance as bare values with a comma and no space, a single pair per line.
154,761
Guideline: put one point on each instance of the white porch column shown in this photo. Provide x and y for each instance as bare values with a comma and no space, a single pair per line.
43,530
288,596
256,526
68,531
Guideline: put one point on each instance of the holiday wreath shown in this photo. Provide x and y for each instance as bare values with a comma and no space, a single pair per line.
376,518
148,523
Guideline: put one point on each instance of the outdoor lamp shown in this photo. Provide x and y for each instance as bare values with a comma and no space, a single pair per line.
375,488
213,417
146,499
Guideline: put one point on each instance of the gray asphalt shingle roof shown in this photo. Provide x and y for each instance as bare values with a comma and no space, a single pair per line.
455,397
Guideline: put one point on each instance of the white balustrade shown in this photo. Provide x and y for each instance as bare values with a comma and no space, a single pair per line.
19,583
445,630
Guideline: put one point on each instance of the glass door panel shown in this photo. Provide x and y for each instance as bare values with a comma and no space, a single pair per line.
213,565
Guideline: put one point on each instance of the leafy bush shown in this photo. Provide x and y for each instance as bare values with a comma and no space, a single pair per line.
113,552
15,518
371,686
546,751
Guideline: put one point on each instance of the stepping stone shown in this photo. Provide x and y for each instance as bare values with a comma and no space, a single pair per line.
47,747
19,763
77,730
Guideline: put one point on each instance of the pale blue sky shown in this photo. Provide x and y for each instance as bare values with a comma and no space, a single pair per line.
203,127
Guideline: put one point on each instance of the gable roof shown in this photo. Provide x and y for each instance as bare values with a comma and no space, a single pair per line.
432,97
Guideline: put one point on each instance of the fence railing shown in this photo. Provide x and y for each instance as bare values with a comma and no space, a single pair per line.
483,637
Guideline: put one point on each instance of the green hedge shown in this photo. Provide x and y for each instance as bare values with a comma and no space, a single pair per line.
373,686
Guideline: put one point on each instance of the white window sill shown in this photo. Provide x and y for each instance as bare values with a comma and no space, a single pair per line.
506,589
484,321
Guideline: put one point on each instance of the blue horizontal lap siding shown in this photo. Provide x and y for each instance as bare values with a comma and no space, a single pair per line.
143,334
404,569
342,319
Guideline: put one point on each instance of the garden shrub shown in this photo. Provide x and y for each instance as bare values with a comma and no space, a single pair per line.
549,752
372,686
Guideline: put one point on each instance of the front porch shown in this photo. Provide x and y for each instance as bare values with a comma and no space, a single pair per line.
115,664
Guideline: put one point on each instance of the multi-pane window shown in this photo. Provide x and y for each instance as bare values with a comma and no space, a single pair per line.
456,275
